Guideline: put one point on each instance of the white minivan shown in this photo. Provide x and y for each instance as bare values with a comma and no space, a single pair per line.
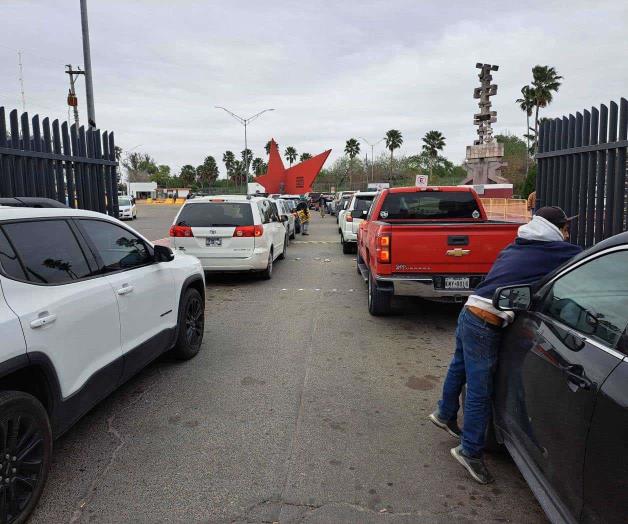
231,233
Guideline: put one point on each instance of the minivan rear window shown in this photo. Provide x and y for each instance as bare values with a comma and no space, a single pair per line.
216,214
429,205
363,203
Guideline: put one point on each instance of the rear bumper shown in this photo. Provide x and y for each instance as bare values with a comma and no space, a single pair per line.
256,262
424,286
349,236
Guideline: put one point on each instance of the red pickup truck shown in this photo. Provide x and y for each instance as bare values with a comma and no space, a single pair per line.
433,242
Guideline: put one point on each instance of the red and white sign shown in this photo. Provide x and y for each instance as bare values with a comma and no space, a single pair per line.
421,180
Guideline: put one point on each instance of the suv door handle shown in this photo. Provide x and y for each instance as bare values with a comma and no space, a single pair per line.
125,289
575,375
43,320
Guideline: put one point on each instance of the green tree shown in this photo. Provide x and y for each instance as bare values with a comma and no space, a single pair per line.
267,147
545,82
207,172
256,166
527,103
188,175
433,142
393,140
304,157
229,159
352,149
291,154
247,156
139,166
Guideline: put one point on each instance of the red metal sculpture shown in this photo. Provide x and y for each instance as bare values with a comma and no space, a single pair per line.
295,180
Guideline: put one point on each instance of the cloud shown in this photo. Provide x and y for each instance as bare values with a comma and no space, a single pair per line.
331,70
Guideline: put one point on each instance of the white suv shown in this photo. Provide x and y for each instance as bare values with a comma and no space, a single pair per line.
85,303
349,220
231,233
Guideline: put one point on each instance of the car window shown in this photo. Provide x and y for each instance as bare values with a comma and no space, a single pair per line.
274,213
593,298
373,205
430,205
362,203
124,201
8,259
216,214
48,251
118,248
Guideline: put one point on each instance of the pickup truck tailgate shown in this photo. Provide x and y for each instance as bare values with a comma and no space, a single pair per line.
457,248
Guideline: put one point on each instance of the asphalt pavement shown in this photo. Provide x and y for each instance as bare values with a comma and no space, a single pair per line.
301,407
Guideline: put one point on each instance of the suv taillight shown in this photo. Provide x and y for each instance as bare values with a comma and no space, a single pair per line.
249,231
181,231
383,248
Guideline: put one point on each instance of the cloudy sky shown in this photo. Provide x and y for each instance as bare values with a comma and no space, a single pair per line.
331,70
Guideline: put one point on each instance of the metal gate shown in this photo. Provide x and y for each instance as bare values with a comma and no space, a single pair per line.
74,166
582,168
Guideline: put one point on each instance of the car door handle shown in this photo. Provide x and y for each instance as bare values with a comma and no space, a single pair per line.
43,320
575,375
125,289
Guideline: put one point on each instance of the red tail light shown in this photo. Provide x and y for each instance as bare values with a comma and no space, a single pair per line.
181,231
249,231
348,217
383,248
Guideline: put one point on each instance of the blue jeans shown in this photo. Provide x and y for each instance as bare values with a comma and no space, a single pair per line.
474,362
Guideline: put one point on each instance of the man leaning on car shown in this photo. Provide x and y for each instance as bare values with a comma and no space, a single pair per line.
540,247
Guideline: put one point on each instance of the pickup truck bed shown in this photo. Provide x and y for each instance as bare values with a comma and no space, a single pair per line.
441,260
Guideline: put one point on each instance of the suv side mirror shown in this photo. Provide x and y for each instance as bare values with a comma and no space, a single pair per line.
513,298
284,218
163,254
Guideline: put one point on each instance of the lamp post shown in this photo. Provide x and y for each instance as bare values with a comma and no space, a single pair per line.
372,155
245,122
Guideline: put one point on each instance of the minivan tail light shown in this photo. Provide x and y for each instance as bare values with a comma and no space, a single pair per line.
383,248
181,231
249,231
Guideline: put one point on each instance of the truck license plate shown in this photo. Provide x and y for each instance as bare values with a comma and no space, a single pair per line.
456,282
213,241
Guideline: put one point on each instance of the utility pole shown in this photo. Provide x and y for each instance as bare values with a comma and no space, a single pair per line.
245,122
72,99
87,61
19,59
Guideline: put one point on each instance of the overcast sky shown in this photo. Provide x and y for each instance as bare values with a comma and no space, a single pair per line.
332,70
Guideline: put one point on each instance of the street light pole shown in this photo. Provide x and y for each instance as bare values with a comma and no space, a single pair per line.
245,122
372,155
87,62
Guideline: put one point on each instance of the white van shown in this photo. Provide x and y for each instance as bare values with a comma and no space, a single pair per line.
231,233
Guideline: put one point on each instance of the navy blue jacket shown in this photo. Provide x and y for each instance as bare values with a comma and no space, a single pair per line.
525,262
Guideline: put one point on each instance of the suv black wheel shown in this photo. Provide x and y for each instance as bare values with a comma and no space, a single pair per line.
191,325
379,303
26,450
267,274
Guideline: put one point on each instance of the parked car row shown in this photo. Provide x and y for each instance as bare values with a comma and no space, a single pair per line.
561,392
85,303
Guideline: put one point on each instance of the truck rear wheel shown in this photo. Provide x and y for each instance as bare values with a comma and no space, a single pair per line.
379,302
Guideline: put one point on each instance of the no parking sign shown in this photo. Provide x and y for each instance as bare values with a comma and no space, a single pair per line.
421,180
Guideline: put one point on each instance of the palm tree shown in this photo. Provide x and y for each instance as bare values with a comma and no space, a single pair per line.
267,147
304,157
527,103
393,140
545,81
291,154
433,142
352,149
229,159
256,165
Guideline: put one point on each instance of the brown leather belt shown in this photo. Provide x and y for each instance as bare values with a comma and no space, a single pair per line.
487,316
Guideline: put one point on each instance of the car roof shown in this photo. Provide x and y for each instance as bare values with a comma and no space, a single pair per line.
18,213
225,198
365,193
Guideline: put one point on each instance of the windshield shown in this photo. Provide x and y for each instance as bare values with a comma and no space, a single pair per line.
429,205
363,203
216,214
124,201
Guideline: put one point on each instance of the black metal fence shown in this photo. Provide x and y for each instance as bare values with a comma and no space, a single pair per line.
582,168
74,166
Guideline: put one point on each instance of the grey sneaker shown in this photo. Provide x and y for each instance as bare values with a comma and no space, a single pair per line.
450,427
475,466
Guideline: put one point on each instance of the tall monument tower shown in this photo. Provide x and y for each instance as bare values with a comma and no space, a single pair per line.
484,158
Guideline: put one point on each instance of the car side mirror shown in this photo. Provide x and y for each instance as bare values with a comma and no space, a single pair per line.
163,254
513,298
284,218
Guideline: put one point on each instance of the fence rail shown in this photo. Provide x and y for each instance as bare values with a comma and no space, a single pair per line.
74,166
582,168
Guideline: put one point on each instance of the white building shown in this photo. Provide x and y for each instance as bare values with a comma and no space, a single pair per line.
142,190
